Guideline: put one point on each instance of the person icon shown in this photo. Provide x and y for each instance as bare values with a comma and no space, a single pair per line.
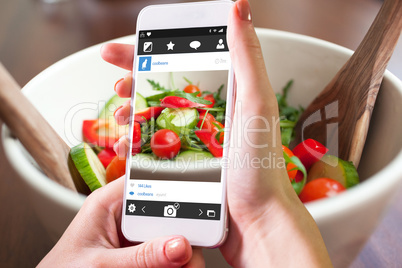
220,45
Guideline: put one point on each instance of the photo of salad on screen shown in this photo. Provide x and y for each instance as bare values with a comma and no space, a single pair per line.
179,117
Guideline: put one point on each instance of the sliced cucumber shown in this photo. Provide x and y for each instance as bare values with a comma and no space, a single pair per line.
114,102
141,156
111,105
88,165
140,102
158,97
334,168
193,156
178,120
161,121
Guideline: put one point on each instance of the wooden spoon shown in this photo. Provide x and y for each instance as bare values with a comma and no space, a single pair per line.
38,137
339,117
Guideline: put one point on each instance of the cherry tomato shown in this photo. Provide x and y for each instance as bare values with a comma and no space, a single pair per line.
290,166
192,89
309,152
165,144
210,97
320,188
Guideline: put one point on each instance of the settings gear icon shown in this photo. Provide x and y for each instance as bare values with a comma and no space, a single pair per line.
131,208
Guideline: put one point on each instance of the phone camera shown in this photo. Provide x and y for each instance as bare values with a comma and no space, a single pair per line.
169,211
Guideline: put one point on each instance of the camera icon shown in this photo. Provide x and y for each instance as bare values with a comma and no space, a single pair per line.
169,211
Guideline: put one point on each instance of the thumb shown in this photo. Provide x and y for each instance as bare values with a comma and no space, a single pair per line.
255,144
257,107
253,84
161,252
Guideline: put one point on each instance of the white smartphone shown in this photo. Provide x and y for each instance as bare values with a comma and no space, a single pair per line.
182,102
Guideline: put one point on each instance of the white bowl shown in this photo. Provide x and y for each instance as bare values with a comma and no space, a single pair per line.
76,87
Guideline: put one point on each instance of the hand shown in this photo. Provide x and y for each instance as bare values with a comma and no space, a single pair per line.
269,226
94,239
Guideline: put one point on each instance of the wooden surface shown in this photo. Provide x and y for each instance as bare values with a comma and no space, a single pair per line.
35,34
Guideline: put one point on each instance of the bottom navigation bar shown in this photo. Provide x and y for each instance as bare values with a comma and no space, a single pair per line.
173,209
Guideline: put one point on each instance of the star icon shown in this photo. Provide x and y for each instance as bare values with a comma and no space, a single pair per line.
170,46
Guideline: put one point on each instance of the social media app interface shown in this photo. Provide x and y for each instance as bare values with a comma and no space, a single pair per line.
183,182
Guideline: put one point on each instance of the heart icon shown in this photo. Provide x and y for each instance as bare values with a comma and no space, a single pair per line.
132,184
149,33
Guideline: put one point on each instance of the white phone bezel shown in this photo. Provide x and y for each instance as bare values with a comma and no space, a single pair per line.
205,233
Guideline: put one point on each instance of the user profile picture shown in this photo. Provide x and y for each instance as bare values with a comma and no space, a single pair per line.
220,44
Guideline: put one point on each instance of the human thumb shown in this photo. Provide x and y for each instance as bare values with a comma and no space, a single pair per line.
161,252
253,84
256,107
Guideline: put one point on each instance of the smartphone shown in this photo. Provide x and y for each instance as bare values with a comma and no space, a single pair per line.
182,102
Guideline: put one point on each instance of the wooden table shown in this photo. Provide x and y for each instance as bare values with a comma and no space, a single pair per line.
34,34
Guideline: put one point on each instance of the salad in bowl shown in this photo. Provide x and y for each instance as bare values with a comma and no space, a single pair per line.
178,133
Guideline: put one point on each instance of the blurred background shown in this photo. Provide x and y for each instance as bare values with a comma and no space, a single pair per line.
34,34
40,32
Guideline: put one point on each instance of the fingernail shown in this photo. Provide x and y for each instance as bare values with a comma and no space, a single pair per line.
115,85
116,147
243,8
118,108
176,251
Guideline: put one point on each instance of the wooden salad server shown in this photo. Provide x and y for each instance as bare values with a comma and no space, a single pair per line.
348,100
43,143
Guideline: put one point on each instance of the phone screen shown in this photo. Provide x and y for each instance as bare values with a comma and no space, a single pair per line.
182,77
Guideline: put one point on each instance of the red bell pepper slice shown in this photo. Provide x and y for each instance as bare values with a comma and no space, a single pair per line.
106,156
309,152
116,169
146,114
210,124
208,138
179,102
101,133
136,148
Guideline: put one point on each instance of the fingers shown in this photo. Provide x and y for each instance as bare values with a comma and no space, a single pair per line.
121,55
118,54
161,252
121,146
110,195
197,260
122,113
124,85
